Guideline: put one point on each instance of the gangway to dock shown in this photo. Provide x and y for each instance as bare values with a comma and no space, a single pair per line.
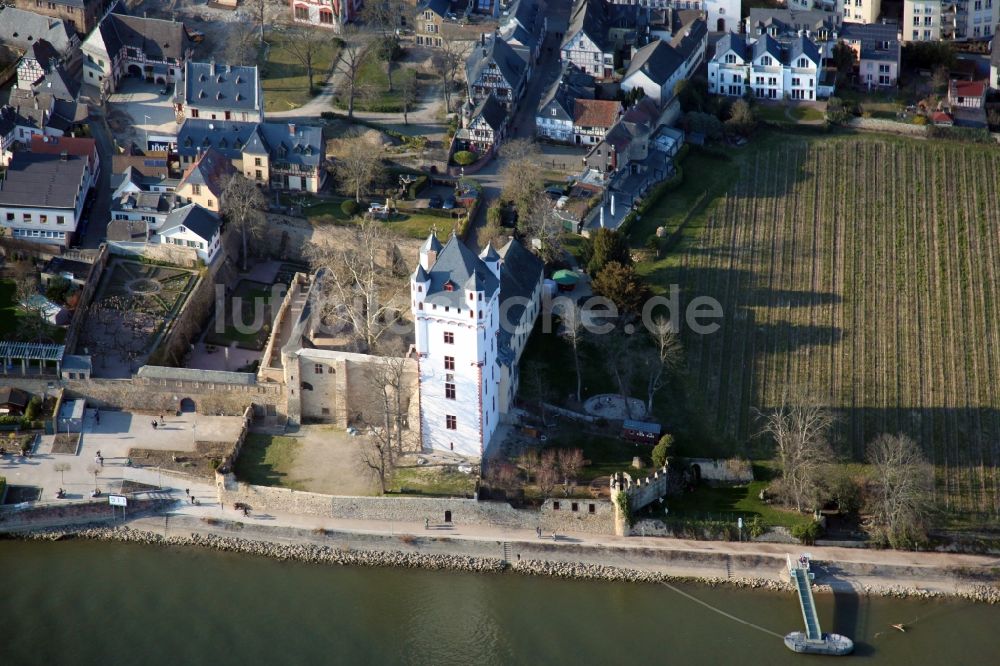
801,578
813,641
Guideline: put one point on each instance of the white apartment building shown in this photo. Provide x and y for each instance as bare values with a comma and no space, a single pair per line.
765,67
956,20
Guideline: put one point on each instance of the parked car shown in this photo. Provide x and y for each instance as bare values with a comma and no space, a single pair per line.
449,203
434,202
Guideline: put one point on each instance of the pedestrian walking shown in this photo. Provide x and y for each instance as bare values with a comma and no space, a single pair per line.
427,523
161,418
97,416
191,498
155,424
187,491
538,531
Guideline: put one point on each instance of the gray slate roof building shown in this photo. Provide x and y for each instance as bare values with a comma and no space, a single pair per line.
780,22
657,60
564,91
520,272
59,83
492,112
493,49
21,28
879,41
158,39
201,221
439,7
589,17
769,45
207,84
453,269
735,43
287,142
45,181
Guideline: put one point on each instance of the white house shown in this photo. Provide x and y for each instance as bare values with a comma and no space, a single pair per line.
950,20
554,117
154,49
658,66
330,14
41,197
467,355
193,227
219,92
721,15
768,68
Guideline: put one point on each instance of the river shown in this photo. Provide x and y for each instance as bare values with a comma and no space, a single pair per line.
80,602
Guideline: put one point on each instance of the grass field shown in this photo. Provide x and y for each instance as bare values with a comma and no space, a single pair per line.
373,87
865,269
283,77
432,481
265,460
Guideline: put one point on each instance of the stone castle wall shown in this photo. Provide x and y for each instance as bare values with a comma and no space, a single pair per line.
417,509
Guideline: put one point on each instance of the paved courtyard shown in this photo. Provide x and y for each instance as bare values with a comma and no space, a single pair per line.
113,437
150,112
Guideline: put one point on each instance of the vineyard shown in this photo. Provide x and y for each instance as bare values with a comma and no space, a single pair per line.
867,271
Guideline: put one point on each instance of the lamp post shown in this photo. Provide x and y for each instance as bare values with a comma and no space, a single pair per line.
146,129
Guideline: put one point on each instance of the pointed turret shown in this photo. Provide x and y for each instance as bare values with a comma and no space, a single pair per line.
429,251
491,258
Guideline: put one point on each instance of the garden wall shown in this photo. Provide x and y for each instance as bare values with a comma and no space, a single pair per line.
417,509
883,125
86,297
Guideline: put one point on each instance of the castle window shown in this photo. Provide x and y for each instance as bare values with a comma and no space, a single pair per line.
555,506
592,508
449,391
575,507
449,338
451,422
318,369
449,362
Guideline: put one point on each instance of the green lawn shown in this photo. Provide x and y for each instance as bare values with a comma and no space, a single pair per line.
413,225
432,481
265,460
728,503
373,87
781,113
283,77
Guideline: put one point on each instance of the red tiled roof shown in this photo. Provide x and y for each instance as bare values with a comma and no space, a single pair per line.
57,145
595,112
941,117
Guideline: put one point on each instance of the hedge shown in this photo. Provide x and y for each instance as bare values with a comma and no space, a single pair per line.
416,186
464,157
966,134
350,207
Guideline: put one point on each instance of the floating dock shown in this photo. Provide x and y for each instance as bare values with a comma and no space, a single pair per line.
813,640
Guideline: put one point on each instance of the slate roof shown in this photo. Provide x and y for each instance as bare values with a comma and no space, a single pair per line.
59,83
520,272
42,51
47,181
524,13
803,46
439,7
595,113
210,170
690,35
294,144
457,264
159,39
10,395
233,87
511,66
226,136
201,221
790,21
20,28
732,42
194,375
769,45
657,60
41,109
589,17
563,93
492,112
879,41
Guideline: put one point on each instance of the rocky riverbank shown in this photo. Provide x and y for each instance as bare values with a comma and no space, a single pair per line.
303,551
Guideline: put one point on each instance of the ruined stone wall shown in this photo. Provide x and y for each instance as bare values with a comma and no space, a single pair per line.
86,297
417,509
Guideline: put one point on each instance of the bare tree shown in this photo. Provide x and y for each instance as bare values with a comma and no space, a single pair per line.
800,428
359,286
62,468
618,359
306,47
901,491
502,475
529,461
572,331
242,202
570,463
447,60
547,479
32,325
384,17
521,174
408,95
264,12
376,454
242,45
350,59
663,359
358,164
539,223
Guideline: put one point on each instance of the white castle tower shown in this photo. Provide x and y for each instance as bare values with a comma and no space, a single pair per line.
456,312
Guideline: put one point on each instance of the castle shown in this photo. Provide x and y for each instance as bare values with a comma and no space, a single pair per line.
473,315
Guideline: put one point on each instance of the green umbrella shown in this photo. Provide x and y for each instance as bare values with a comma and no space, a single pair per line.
565,277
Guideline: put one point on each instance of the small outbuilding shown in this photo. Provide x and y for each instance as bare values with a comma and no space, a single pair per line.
641,432
13,401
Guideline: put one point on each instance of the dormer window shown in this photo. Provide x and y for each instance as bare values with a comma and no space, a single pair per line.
449,286
766,61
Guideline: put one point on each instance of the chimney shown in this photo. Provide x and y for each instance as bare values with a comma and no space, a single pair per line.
291,129
213,67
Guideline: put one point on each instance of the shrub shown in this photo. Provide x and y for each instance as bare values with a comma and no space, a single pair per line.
624,503
57,289
662,451
807,533
919,120
464,157
705,123
756,527
350,207
837,111
31,411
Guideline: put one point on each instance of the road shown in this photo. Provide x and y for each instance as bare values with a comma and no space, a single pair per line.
100,212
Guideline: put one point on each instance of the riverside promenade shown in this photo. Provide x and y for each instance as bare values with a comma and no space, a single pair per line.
857,569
